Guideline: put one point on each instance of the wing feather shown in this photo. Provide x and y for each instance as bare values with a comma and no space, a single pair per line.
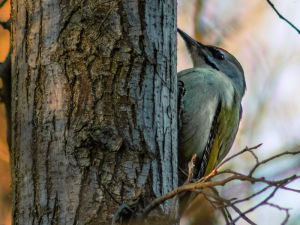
210,109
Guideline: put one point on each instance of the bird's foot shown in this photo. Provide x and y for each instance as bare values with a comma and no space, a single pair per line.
214,172
191,166
124,212
181,93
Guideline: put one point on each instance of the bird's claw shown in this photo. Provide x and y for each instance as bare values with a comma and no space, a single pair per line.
123,210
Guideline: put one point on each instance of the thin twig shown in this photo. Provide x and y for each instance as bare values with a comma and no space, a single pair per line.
239,153
223,210
271,158
2,3
188,187
184,173
281,208
254,156
264,202
5,25
281,17
252,196
201,184
196,186
228,203
229,216
215,172
241,214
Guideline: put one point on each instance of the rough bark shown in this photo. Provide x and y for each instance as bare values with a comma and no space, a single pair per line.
94,116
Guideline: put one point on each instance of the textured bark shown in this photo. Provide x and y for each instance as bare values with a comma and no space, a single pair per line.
94,111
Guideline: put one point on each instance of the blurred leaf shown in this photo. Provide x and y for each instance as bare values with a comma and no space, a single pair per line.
2,3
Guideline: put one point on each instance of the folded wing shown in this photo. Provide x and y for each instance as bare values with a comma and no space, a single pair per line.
209,117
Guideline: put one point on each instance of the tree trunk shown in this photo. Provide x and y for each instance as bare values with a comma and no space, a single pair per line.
94,108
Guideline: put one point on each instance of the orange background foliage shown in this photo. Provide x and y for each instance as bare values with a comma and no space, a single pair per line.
5,175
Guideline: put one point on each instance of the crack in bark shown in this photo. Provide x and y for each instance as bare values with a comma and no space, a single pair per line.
15,154
84,181
48,175
55,212
69,18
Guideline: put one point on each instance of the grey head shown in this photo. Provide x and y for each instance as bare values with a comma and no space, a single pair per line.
216,58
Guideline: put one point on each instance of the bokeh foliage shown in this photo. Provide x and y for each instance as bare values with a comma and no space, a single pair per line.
5,176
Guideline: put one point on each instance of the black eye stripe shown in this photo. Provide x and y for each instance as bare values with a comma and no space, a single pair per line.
210,63
217,54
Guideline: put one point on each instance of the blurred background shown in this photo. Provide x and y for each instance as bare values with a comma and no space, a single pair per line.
5,176
269,50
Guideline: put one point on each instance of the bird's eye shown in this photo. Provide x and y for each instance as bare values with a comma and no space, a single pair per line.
219,56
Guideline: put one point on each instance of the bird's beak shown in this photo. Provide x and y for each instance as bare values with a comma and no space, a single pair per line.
188,40
196,49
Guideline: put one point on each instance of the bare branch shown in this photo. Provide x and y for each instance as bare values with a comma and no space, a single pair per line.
241,214
254,156
229,216
237,154
264,202
188,187
281,17
5,25
216,200
229,204
271,158
281,208
2,3
255,194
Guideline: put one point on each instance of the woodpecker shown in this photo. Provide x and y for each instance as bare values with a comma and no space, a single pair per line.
210,110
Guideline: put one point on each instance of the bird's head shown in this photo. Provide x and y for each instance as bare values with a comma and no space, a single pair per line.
207,56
